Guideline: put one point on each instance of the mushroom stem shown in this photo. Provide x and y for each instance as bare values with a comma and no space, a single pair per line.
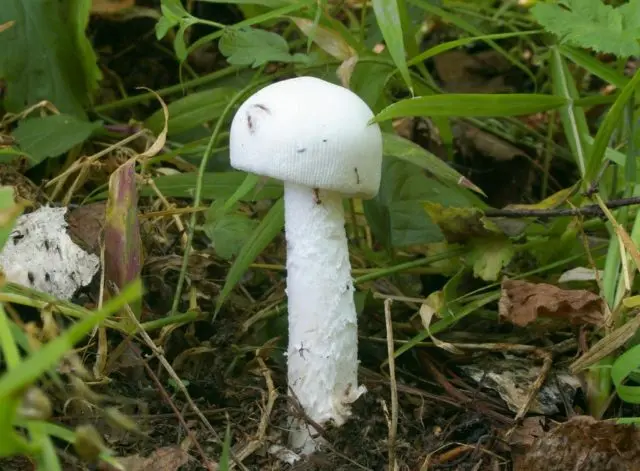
323,333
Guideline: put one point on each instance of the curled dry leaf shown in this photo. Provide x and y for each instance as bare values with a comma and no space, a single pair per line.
522,303
586,444
333,44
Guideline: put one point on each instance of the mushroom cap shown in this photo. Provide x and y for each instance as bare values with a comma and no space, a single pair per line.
309,132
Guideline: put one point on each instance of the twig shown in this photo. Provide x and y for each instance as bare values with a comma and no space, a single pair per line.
393,425
590,210
547,361
259,441
169,369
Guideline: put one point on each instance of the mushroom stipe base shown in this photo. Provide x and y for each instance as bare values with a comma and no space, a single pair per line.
323,333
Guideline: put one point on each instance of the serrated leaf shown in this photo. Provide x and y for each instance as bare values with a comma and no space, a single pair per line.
53,135
255,47
191,111
264,233
47,56
594,25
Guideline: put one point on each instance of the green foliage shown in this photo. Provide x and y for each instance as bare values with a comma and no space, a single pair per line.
192,111
594,25
389,20
215,185
255,47
21,373
625,365
47,56
270,226
469,104
52,135
229,233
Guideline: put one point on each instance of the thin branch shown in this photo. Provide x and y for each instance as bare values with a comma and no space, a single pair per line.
592,210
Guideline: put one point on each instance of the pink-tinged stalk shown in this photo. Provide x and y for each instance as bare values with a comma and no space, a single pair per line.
122,242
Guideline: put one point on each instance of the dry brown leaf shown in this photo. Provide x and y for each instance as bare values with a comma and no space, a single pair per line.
525,435
102,7
168,458
86,224
522,303
586,444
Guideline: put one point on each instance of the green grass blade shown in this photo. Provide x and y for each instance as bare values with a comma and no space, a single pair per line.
593,65
388,17
470,105
440,48
269,227
572,117
42,360
404,149
626,364
471,29
606,129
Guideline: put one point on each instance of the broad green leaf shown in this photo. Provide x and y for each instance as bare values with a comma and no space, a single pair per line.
607,127
470,105
229,233
388,17
215,185
266,231
254,20
593,24
47,56
396,215
572,117
489,255
36,364
627,364
52,135
460,223
255,47
404,149
192,111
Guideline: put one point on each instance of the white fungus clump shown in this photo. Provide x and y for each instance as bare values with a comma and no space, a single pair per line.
41,255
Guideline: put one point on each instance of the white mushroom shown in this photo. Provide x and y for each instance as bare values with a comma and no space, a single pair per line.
315,137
